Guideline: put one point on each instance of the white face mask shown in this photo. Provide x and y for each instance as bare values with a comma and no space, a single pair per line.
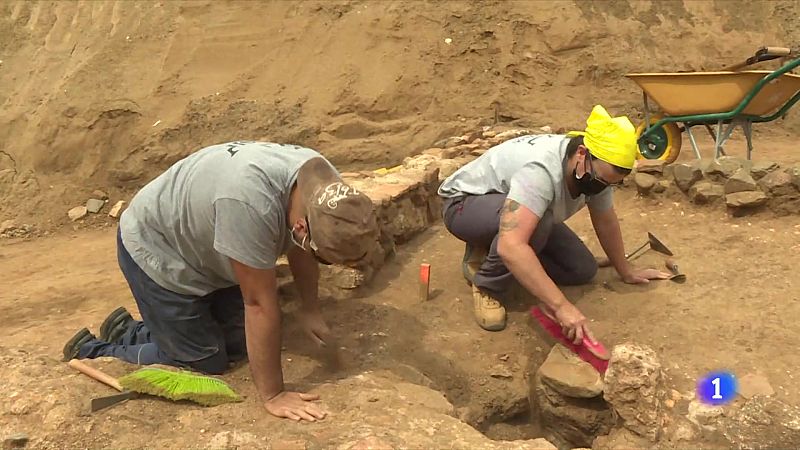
301,244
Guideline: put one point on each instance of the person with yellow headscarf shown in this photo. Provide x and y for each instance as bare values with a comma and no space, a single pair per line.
509,207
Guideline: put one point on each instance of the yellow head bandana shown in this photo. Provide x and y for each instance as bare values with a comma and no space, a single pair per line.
610,139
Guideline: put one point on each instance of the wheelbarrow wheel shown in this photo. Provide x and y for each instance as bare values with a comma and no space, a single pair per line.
663,143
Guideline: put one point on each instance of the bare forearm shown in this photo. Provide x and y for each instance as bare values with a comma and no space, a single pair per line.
263,331
609,234
305,271
523,263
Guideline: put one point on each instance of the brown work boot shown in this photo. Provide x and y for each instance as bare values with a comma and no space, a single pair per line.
471,263
489,313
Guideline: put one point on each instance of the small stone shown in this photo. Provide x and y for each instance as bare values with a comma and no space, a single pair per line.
453,141
99,194
746,200
644,182
675,395
794,173
8,226
117,209
501,371
77,213
16,440
752,384
661,186
703,415
651,166
777,183
546,129
706,192
94,205
685,175
634,386
488,134
741,181
569,375
669,403
761,168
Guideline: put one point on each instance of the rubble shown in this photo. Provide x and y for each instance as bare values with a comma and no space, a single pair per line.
94,205
634,387
763,423
117,209
77,213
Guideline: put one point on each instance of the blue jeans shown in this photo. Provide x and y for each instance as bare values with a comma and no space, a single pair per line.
202,333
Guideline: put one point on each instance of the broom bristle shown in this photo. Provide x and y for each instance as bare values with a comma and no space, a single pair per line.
181,385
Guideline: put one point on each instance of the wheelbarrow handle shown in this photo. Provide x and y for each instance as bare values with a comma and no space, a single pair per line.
761,55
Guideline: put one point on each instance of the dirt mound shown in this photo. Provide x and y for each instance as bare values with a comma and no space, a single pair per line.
108,94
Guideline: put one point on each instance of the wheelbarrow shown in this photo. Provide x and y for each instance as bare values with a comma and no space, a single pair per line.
727,99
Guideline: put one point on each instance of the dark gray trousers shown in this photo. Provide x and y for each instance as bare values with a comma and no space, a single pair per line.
475,219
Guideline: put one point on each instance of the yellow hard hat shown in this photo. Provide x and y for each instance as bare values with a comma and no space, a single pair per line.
610,139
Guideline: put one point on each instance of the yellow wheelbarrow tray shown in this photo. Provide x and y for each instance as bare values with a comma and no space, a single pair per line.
725,98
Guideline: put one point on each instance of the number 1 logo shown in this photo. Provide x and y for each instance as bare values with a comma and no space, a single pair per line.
717,388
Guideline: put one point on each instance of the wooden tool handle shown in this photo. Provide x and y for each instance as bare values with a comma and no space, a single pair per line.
672,266
97,374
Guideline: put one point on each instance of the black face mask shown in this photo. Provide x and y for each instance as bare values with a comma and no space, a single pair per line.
588,184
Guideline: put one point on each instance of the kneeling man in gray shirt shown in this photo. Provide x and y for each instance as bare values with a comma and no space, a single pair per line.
198,247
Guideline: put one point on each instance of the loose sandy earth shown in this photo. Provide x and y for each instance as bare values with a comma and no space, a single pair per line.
737,311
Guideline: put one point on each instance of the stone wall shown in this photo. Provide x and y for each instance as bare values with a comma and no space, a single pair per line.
743,186
406,200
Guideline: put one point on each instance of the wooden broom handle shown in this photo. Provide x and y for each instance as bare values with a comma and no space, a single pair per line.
97,374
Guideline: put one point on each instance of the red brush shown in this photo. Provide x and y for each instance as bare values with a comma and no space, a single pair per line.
595,354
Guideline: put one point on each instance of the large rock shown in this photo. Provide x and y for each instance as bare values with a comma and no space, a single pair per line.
741,181
565,372
725,166
651,166
778,183
686,175
745,201
634,387
762,168
706,192
567,421
764,423
644,182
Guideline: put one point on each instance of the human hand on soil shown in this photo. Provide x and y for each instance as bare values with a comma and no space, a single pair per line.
296,406
639,276
573,323
314,326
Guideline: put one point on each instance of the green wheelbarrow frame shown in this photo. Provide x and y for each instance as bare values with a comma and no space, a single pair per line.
653,137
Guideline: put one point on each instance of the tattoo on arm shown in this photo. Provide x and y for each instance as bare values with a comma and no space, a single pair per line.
508,216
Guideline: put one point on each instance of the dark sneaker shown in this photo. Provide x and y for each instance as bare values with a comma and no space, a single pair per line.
73,346
115,325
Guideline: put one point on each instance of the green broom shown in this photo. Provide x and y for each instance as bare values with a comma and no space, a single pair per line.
180,385
169,384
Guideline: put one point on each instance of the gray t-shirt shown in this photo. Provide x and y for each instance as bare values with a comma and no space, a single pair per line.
224,201
530,170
